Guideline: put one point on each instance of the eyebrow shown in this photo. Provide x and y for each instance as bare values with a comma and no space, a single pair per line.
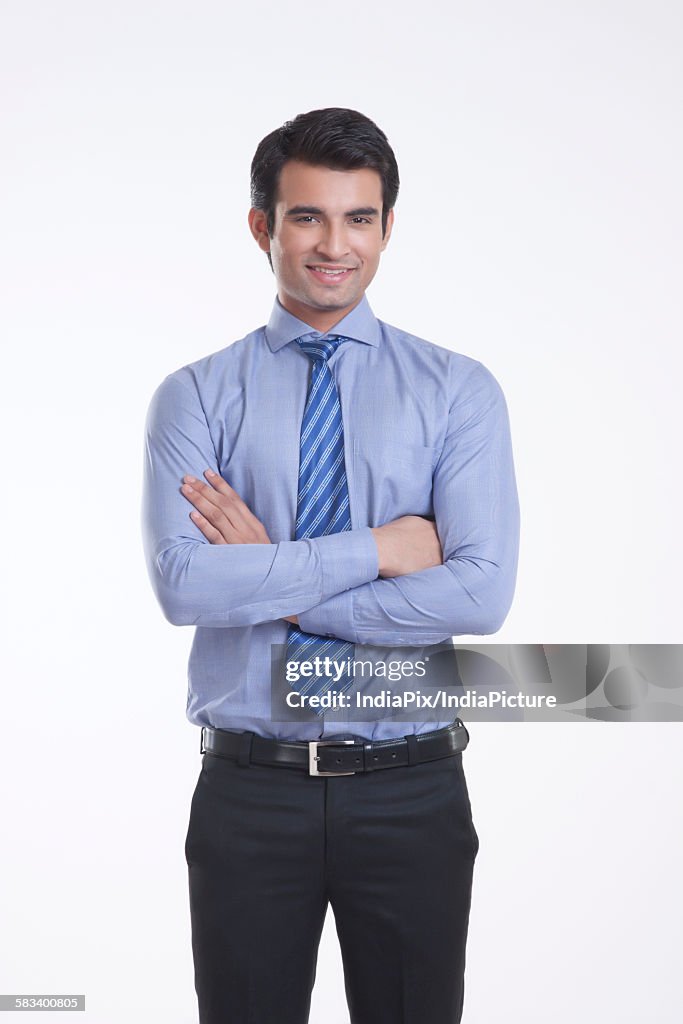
361,211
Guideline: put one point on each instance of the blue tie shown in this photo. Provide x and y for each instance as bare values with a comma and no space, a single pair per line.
322,507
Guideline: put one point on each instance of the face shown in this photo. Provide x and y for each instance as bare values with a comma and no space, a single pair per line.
327,239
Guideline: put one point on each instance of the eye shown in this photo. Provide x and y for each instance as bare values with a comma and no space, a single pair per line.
364,220
305,217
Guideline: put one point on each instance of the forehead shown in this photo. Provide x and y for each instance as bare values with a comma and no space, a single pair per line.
309,184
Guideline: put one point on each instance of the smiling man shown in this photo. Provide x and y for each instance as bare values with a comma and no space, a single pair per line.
327,492
329,279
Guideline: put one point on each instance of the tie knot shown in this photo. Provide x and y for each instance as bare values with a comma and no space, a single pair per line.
321,348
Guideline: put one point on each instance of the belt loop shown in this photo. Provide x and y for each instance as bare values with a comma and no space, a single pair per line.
367,756
413,757
244,752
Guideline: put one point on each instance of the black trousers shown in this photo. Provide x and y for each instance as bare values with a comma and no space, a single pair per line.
393,851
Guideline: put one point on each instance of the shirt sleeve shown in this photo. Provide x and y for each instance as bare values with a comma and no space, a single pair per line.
476,510
203,584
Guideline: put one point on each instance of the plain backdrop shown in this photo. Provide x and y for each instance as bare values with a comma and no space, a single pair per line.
538,229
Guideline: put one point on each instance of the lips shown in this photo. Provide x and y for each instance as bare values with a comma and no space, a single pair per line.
330,275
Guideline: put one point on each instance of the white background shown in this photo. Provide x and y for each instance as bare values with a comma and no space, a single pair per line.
538,229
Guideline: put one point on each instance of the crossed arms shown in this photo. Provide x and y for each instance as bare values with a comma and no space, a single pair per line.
404,545
408,582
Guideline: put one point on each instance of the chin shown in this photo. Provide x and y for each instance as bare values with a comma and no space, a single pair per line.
330,301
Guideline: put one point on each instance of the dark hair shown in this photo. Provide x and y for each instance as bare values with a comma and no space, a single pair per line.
333,137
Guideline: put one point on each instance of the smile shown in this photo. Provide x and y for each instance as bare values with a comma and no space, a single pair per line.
329,275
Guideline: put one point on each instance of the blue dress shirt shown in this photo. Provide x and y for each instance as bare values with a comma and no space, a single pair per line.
426,432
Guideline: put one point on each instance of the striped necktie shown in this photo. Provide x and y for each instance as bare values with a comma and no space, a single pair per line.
322,508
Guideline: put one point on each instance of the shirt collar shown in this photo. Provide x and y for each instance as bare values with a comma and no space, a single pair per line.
361,324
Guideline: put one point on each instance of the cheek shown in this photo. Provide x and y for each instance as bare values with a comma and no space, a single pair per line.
283,261
370,261
372,250
294,260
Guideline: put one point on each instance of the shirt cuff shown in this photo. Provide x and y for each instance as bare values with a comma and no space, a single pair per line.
333,617
347,559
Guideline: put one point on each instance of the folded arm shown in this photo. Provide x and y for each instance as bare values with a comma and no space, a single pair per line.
234,584
477,517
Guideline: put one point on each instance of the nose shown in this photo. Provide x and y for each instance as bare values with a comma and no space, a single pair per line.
333,243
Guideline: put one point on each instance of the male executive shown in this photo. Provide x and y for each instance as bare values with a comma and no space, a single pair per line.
327,486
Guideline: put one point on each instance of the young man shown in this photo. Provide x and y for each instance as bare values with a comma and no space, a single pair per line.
325,488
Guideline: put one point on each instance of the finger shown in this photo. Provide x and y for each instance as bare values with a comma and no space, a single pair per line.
210,532
233,517
235,508
221,485
203,488
216,486
226,499
234,528
238,511
213,513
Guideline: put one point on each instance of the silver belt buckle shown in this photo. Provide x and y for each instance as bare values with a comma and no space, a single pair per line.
313,755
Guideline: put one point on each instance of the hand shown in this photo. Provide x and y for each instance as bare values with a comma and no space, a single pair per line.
408,544
220,513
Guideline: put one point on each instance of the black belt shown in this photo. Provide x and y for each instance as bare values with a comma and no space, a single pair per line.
335,757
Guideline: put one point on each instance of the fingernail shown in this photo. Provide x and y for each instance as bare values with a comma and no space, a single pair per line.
210,472
190,479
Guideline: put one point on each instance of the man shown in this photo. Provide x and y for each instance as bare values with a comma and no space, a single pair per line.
327,487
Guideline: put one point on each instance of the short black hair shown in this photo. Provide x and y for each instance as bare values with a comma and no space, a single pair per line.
333,137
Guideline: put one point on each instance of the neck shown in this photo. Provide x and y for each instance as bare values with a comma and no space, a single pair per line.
322,320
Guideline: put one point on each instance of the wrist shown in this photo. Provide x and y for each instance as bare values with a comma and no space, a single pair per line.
378,536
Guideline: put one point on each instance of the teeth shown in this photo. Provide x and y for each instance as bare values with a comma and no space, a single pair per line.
322,270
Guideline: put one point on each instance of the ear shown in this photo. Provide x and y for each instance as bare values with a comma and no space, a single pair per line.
257,226
387,233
